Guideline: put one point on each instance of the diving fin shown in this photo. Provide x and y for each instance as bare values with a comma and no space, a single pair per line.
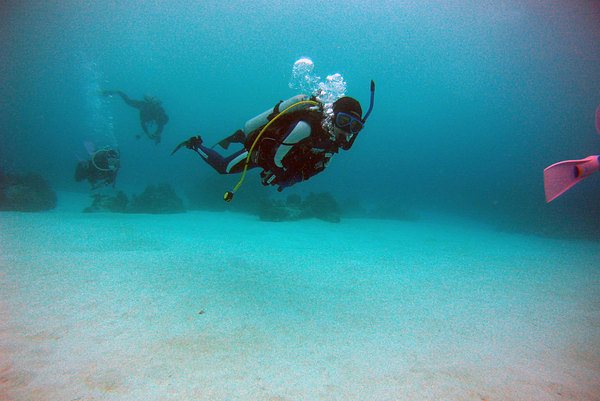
237,137
561,176
192,143
89,147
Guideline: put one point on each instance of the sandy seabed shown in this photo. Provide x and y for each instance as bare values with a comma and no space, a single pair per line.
222,306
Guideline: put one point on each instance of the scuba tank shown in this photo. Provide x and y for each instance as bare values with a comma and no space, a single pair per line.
263,118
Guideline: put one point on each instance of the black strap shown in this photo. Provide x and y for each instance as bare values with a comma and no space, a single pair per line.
275,111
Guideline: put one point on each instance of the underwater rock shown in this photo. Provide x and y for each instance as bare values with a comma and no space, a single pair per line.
105,203
26,193
277,210
321,206
294,200
156,200
272,210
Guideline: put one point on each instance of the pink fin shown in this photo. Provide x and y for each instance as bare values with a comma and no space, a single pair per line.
561,176
89,147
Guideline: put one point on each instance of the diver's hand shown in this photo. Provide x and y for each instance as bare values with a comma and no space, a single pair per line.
282,179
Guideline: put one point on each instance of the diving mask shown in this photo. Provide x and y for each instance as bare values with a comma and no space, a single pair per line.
348,123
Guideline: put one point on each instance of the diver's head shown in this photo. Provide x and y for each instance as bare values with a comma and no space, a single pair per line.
151,99
347,121
112,159
106,159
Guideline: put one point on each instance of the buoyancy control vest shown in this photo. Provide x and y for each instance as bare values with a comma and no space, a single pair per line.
275,135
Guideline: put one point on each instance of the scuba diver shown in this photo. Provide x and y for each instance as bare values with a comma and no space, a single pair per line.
290,142
100,169
151,113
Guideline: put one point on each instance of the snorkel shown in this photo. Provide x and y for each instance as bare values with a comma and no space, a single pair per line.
372,100
349,144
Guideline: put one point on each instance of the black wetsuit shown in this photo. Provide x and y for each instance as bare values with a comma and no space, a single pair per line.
291,150
150,112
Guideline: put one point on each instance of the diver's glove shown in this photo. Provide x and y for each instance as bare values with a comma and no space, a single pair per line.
282,179
192,143
268,177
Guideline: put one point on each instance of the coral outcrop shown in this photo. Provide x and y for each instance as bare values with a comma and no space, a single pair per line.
26,193
157,199
105,203
321,206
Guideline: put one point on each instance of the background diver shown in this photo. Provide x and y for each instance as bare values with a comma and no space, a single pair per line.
100,169
151,113
290,142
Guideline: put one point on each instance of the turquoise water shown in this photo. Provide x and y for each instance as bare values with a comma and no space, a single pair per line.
468,286
473,99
